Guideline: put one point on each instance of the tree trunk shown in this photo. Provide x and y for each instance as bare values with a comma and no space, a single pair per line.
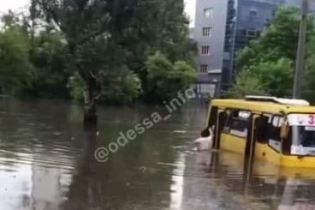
90,92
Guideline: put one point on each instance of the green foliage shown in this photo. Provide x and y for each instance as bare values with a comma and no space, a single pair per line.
123,88
279,40
76,87
276,77
32,65
105,36
99,49
49,58
120,89
268,77
270,59
309,88
156,26
9,19
15,68
166,79
246,84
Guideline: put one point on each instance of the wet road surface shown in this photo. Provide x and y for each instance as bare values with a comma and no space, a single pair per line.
47,162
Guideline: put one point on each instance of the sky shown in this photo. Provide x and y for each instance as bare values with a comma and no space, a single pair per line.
190,9
5,5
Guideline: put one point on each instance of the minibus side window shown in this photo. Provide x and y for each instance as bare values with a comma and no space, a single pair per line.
213,116
238,123
262,129
286,144
274,129
226,128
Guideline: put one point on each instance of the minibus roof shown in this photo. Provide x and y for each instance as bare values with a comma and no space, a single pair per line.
265,106
285,101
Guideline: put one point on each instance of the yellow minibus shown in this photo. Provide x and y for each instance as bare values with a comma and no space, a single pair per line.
278,130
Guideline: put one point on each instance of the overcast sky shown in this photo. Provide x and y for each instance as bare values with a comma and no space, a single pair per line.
190,9
5,5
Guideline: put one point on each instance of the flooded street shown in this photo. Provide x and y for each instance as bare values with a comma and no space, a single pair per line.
47,162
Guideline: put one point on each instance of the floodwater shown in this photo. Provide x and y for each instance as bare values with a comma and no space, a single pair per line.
47,162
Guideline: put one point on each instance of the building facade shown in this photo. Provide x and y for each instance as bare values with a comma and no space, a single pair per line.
222,28
298,3
209,34
250,19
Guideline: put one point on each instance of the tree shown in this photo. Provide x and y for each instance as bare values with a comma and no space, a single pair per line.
15,68
88,28
51,70
276,76
166,79
122,88
271,58
246,83
9,19
106,35
157,25
97,49
279,40
309,88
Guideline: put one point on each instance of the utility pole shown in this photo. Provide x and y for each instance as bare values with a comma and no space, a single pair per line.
300,55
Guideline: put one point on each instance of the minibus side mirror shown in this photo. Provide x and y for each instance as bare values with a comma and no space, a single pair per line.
284,133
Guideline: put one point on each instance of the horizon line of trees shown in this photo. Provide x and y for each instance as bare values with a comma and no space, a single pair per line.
100,51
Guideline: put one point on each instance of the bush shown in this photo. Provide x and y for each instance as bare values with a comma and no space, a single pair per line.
165,79
76,86
246,84
15,69
122,86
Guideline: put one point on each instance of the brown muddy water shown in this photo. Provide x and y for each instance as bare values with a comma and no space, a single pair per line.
47,162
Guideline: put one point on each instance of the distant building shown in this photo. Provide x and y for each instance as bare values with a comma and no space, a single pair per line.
222,28
250,19
229,46
209,34
298,3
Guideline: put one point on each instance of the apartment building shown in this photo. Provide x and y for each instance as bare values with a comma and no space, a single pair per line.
209,34
222,28
250,19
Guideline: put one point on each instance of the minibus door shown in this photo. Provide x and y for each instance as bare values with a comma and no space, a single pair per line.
249,155
221,119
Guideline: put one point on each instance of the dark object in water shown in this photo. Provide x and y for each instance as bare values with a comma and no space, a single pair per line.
205,132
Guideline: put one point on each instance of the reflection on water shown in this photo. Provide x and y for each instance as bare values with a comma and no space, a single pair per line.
178,183
47,163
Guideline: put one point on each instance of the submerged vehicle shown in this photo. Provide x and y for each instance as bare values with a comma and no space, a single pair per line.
281,131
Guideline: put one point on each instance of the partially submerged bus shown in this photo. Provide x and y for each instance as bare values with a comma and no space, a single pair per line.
278,130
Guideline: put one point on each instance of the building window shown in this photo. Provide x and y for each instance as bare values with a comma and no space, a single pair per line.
204,68
238,123
205,50
252,13
273,132
252,33
208,12
206,31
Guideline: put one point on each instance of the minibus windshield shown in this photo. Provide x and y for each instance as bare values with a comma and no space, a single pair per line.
303,133
303,138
